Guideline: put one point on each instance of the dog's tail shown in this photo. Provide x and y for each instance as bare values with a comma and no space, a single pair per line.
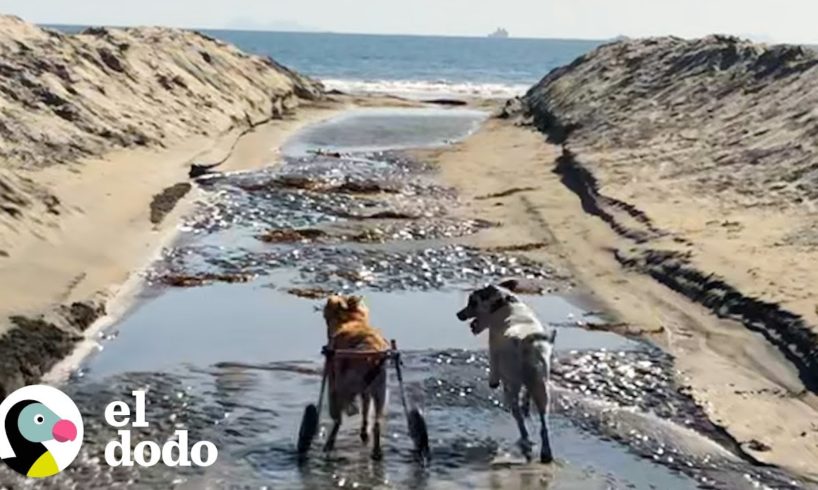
539,342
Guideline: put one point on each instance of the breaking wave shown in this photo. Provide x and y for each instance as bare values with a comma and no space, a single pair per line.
423,89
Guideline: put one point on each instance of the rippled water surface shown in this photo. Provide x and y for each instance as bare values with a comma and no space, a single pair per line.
387,129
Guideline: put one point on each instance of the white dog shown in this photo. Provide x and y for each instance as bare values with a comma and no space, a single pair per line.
520,350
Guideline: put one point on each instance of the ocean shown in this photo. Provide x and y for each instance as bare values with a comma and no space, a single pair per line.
412,66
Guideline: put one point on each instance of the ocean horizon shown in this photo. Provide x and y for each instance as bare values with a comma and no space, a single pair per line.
75,28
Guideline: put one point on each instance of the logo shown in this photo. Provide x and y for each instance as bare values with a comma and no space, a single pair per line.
40,431
175,452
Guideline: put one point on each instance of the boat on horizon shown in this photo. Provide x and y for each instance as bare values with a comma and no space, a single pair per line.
500,33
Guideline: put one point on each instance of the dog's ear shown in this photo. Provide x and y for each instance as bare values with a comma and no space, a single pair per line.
486,293
336,301
354,303
510,284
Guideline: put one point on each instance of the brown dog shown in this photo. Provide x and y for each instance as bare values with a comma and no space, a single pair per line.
348,329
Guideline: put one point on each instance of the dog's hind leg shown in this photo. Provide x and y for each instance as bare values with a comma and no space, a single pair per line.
539,391
330,444
525,403
379,395
512,396
366,401
336,408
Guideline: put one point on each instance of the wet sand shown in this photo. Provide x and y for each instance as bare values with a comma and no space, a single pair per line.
741,380
109,202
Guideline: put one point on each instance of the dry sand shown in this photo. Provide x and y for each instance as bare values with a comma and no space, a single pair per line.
742,381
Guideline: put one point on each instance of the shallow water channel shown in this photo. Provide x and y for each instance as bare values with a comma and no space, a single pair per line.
236,358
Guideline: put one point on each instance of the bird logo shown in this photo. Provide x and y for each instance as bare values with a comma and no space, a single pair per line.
41,431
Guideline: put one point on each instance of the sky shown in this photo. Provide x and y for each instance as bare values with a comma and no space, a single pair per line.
771,20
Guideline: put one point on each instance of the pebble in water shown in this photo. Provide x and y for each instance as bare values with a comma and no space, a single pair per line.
342,268
314,190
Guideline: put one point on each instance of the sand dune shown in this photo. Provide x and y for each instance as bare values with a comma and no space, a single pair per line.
696,163
66,97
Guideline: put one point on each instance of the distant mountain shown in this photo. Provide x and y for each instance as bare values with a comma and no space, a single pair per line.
244,24
758,38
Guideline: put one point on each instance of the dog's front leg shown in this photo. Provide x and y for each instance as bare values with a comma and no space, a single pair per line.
512,399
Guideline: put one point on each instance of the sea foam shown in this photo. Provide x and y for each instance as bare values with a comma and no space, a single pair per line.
424,89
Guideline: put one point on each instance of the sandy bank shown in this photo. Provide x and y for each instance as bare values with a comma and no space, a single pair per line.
98,133
701,156
72,97
679,188
507,175
705,152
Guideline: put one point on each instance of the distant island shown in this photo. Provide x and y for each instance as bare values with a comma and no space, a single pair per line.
499,33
